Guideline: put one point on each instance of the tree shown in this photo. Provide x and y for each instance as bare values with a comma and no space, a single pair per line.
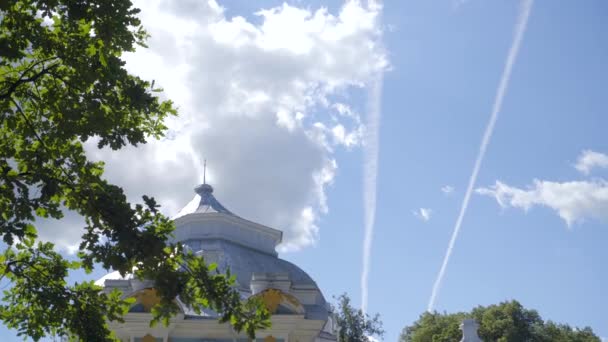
63,82
508,321
353,324
504,322
434,327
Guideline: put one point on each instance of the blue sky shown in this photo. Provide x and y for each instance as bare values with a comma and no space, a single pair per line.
446,59
437,99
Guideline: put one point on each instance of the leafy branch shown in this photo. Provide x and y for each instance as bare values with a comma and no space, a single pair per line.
61,85
22,79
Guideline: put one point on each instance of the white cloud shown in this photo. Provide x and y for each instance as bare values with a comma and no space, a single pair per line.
448,189
266,102
63,232
589,160
423,213
573,201
372,339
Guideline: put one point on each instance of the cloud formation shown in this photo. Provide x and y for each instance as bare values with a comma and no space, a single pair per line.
423,213
448,189
588,160
573,201
370,177
265,101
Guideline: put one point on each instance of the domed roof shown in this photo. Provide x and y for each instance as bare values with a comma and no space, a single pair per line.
244,262
245,248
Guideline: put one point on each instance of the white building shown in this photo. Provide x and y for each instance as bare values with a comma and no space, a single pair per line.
300,312
469,329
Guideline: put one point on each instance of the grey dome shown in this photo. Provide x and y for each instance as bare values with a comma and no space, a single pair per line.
244,262
245,248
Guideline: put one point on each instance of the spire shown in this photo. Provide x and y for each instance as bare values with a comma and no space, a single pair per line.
205,171
208,202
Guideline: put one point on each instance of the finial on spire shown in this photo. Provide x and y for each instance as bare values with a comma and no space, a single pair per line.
205,171
204,189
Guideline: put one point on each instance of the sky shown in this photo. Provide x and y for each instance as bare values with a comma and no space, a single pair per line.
355,127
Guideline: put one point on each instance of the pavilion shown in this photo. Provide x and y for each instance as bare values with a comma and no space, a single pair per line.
248,249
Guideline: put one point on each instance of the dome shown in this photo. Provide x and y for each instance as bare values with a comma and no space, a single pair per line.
246,248
244,262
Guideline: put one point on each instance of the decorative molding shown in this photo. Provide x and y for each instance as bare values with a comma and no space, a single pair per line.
274,298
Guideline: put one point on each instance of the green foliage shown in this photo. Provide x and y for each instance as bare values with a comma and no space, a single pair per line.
39,293
434,327
353,324
509,321
564,333
505,322
63,82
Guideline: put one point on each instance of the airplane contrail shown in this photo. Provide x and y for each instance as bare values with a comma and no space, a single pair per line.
520,28
370,174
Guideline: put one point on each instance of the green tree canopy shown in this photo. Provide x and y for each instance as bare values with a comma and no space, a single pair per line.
63,82
504,322
353,324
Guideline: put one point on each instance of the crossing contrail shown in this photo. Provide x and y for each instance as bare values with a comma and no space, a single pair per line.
520,28
370,174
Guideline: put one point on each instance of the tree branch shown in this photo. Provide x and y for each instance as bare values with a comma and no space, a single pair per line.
22,80
29,123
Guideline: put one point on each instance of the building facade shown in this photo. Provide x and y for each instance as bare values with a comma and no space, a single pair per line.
248,249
